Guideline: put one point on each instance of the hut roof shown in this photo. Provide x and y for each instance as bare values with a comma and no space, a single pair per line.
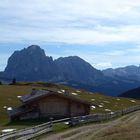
37,94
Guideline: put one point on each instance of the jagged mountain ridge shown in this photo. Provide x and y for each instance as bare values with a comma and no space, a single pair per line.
32,64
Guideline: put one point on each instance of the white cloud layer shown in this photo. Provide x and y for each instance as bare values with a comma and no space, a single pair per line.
71,21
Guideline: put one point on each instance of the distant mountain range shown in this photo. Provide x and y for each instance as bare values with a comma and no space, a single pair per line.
31,64
130,72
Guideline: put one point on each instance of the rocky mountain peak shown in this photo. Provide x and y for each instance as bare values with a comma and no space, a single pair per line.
29,63
34,47
34,50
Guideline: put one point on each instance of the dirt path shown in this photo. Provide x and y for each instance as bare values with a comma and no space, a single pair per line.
117,129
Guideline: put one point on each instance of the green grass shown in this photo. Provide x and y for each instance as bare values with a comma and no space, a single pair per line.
58,127
9,93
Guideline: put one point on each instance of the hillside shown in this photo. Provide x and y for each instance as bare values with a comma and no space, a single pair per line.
134,93
9,94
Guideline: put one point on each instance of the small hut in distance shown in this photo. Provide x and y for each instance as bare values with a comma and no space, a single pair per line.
46,104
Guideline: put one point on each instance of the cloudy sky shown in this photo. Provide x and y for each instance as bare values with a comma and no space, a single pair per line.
105,33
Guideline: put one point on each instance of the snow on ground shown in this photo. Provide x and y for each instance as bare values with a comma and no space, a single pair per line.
107,110
19,96
63,90
74,93
9,108
5,107
100,106
7,130
67,123
93,107
111,113
106,101
133,101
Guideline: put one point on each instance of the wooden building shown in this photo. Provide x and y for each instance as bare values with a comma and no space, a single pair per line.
46,104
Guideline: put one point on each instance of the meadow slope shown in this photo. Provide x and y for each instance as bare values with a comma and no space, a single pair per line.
9,93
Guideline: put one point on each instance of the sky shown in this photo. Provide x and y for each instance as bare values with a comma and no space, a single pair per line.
106,33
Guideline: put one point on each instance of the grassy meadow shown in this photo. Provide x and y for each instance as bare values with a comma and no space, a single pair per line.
9,93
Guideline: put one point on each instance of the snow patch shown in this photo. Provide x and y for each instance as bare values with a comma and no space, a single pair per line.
93,107
107,110
5,107
63,90
19,97
9,108
100,106
67,123
7,130
106,101
133,101
74,93
112,113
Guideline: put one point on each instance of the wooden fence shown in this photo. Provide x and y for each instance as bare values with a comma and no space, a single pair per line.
102,116
32,132
28,133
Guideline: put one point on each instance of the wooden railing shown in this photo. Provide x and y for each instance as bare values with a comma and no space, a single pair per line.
28,133
102,116
32,132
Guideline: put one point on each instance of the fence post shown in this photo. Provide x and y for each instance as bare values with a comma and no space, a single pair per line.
14,137
51,122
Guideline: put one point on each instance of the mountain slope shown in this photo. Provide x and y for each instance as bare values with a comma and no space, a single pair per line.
74,68
134,93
